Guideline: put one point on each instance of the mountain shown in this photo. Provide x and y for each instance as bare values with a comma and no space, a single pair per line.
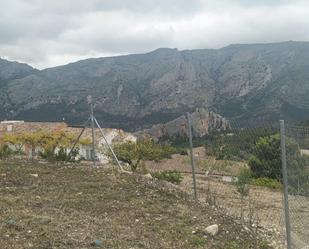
202,122
252,82
10,71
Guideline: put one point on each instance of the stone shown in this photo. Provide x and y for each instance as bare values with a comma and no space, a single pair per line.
149,176
212,230
97,243
12,222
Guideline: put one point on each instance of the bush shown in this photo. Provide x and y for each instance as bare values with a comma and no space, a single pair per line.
198,241
61,155
244,178
266,161
134,153
172,176
235,145
266,182
5,151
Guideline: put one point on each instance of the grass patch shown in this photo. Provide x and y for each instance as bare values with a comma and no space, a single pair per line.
172,176
266,182
198,241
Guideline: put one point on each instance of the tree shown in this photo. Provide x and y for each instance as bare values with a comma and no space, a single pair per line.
51,145
134,153
55,145
266,158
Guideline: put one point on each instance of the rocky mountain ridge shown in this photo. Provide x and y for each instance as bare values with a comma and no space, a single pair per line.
202,122
254,82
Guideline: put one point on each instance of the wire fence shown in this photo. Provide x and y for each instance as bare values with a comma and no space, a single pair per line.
297,164
238,170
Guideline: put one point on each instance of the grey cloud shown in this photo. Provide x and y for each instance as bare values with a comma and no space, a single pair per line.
49,32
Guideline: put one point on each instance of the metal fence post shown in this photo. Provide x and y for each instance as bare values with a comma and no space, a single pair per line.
93,136
191,154
285,185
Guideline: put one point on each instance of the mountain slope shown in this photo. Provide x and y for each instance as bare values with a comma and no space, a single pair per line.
10,71
242,82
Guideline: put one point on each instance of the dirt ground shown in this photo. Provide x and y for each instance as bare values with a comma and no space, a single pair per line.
263,207
45,206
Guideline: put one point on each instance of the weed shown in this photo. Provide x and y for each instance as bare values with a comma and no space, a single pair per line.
172,176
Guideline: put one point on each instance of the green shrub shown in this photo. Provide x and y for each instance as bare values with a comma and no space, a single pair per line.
234,145
266,159
134,153
198,241
266,182
61,155
244,178
5,151
172,176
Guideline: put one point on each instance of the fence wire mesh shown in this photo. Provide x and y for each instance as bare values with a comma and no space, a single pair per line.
297,155
238,170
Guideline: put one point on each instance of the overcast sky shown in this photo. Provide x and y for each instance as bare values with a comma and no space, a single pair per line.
45,33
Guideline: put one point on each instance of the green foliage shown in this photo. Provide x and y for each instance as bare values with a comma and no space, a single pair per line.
62,155
266,182
298,174
181,143
237,145
53,145
242,185
266,159
198,241
5,151
134,153
172,176
261,244
232,245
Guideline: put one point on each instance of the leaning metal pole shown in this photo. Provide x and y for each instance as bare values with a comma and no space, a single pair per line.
78,138
110,148
93,135
191,154
285,184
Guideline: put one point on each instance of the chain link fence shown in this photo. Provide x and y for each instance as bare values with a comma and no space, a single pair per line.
238,170
297,170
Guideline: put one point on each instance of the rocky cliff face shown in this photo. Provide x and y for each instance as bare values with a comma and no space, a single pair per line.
202,122
255,82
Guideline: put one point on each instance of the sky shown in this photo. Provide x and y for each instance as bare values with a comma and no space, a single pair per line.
47,33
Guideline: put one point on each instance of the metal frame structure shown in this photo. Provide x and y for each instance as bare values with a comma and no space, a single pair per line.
94,123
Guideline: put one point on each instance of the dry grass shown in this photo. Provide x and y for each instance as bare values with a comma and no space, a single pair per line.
71,206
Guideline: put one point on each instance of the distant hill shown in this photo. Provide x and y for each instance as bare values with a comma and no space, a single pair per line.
254,82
